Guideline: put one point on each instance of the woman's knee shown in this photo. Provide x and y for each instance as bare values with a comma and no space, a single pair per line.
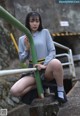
56,64
14,91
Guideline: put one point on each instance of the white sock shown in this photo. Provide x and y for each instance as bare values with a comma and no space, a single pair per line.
60,91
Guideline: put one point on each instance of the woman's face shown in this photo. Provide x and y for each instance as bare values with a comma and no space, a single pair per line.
34,23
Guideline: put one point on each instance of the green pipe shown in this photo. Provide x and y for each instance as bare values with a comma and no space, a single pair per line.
8,17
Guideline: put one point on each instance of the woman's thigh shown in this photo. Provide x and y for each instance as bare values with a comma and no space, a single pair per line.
49,72
53,68
24,82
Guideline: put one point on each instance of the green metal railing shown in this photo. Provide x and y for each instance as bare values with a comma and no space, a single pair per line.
8,17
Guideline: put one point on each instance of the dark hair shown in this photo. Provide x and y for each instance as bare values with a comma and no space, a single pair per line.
33,14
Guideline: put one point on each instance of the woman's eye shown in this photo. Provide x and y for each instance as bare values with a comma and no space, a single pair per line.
37,20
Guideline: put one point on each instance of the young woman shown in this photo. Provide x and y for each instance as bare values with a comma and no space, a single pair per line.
45,51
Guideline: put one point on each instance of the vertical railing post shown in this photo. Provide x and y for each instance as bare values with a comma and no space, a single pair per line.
72,67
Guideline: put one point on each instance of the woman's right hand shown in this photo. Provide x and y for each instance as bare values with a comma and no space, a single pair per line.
26,43
40,66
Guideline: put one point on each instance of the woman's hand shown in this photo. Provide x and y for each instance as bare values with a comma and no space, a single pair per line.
27,44
40,66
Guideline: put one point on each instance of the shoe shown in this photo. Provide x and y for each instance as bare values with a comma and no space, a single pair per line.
62,100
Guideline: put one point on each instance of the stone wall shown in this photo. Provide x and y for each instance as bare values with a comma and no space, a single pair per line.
7,49
7,101
51,11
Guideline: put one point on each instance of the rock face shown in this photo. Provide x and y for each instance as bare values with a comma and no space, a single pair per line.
51,11
7,101
7,49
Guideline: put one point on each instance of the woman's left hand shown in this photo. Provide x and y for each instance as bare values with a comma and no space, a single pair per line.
40,66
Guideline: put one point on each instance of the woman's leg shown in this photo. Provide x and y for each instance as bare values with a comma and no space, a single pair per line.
55,70
23,85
